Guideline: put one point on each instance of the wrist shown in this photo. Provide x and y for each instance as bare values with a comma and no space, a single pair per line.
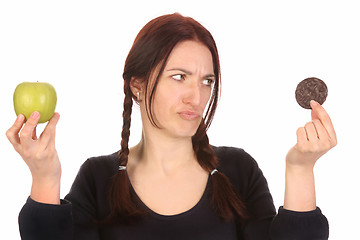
299,188
46,191
299,169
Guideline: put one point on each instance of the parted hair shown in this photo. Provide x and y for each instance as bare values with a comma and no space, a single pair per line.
150,51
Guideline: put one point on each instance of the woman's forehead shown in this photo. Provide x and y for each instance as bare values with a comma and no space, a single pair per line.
190,55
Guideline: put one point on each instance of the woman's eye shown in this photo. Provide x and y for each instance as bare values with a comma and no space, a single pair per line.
178,77
208,82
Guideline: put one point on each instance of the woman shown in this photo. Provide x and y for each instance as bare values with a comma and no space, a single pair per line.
173,184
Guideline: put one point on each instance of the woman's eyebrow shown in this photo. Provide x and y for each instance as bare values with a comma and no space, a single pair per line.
179,69
188,72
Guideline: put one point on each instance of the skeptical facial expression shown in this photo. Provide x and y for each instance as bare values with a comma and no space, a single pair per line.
184,89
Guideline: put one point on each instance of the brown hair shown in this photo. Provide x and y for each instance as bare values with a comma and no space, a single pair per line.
151,50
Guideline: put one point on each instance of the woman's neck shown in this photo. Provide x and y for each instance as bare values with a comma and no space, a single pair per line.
163,154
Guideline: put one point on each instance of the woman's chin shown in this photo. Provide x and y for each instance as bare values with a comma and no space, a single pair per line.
185,133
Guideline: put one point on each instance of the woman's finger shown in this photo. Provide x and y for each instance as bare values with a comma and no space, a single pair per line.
13,132
48,135
301,136
34,137
311,132
321,131
320,113
28,130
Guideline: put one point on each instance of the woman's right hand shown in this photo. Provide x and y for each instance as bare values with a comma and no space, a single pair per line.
40,155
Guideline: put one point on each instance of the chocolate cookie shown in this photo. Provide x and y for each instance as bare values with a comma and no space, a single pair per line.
311,89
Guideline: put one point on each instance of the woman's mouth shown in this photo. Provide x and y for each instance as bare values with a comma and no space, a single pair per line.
189,115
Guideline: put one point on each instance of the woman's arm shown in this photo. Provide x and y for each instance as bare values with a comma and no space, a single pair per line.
299,218
40,155
43,216
73,218
313,140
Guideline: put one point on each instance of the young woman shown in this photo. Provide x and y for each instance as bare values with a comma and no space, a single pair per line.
173,184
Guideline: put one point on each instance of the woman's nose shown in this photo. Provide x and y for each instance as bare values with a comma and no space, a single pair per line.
193,94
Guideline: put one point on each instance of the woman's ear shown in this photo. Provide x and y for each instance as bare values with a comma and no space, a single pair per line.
137,86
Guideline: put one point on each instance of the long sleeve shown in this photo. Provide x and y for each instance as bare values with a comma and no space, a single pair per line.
38,221
74,218
264,223
299,225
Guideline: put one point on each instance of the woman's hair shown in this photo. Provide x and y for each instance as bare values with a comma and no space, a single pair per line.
150,52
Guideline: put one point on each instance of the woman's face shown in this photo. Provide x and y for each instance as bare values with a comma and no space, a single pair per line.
184,89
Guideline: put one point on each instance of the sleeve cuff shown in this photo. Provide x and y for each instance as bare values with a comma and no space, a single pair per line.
300,225
315,212
52,209
44,221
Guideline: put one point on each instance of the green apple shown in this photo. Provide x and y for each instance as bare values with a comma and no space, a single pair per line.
35,96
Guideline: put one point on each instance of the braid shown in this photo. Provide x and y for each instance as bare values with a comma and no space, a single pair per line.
122,203
224,198
125,134
205,154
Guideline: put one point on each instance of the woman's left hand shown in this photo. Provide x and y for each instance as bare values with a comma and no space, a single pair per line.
313,140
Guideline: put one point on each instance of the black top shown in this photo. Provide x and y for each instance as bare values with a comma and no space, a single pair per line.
88,200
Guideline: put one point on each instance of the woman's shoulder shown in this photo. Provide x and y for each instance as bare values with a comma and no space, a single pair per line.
102,165
108,159
94,174
233,156
91,185
236,163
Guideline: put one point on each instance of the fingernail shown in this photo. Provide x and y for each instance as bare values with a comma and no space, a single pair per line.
56,115
314,103
20,118
35,115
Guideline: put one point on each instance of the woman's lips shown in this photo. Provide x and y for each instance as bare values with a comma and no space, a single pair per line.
189,115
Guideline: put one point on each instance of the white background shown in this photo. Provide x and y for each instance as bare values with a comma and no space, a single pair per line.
266,48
